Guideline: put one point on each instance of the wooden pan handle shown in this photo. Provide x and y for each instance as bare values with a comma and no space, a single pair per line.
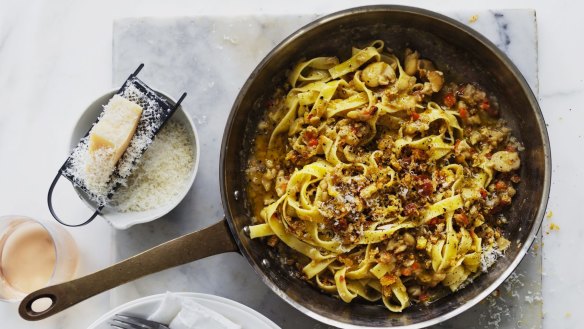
215,239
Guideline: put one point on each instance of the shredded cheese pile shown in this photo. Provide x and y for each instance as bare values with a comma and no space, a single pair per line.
162,173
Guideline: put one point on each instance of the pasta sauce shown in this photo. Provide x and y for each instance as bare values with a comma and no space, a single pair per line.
383,180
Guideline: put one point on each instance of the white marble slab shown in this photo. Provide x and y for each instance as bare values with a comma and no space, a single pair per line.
210,58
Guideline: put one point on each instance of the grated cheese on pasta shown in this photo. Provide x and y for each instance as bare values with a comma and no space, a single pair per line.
489,256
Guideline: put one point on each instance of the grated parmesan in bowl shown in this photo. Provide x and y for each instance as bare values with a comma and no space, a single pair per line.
161,173
162,176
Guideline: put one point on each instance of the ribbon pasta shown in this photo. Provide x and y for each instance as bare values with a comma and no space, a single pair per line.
383,186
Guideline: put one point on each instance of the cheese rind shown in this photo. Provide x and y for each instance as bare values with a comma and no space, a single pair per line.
116,127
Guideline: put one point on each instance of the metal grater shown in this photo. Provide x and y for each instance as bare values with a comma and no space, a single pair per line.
155,113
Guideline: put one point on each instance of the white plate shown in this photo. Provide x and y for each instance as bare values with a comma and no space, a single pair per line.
234,311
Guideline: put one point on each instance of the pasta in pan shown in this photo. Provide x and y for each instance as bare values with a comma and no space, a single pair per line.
384,180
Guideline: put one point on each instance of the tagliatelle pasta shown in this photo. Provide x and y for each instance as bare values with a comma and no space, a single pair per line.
380,179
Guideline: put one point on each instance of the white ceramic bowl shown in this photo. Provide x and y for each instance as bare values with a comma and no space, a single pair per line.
124,220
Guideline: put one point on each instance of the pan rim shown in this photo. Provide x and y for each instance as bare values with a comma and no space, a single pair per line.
500,56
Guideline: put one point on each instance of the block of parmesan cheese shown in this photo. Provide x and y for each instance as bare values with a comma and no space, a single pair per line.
108,140
116,127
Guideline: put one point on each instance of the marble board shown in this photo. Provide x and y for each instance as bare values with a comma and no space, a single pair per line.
210,57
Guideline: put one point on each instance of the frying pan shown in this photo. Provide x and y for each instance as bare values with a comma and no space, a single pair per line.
463,55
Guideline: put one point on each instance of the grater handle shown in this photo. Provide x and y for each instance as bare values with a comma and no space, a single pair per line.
52,210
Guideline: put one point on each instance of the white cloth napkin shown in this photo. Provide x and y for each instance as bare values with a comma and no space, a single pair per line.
184,313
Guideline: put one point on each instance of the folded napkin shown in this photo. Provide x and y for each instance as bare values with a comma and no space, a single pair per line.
184,313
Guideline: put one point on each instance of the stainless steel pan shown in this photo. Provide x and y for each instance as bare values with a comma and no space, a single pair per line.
463,55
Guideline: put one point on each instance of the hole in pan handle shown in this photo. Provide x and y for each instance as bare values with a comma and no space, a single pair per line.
29,306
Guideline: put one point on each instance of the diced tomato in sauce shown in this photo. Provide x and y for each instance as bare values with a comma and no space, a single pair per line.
486,106
435,221
463,113
449,100
461,219
500,185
